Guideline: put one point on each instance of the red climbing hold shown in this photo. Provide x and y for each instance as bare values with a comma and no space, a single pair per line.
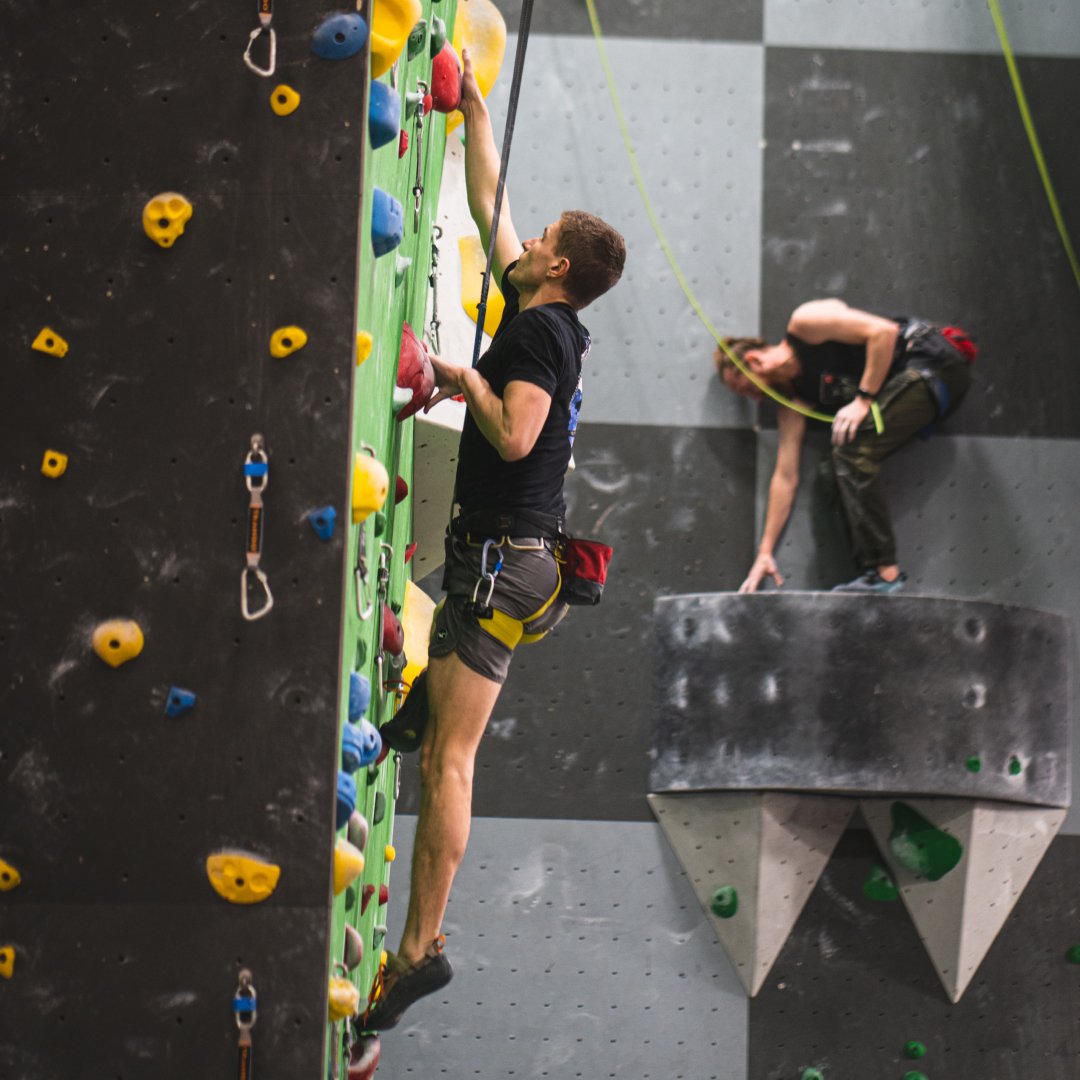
445,80
365,898
393,636
401,489
403,144
384,894
414,372
364,1058
410,551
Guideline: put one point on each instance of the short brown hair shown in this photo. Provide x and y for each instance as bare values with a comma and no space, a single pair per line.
740,346
597,254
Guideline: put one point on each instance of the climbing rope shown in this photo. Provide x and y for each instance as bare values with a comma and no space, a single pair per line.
1033,138
508,135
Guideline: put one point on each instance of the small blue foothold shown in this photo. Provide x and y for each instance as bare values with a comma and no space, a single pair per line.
322,521
346,799
384,114
179,701
387,222
361,744
339,36
371,742
359,695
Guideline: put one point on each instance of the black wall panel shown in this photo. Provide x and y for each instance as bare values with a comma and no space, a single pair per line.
904,183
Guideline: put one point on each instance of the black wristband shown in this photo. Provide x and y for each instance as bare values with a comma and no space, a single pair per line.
860,392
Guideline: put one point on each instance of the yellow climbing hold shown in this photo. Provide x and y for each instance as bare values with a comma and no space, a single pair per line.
481,29
284,100
390,853
165,216
364,342
370,485
118,641
416,617
241,878
473,260
49,341
287,339
391,23
7,961
348,865
53,464
344,999
9,876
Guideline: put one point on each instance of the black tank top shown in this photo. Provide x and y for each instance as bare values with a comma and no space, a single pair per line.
830,372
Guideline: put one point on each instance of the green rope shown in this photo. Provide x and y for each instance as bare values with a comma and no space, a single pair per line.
666,247
1029,127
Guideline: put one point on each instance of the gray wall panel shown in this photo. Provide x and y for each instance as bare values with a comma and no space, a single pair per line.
1033,26
694,110
579,949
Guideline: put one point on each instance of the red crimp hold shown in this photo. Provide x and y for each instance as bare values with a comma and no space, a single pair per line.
384,894
445,81
393,636
401,489
365,898
403,144
410,551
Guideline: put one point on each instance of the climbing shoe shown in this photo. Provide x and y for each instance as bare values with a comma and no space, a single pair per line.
403,986
404,731
872,582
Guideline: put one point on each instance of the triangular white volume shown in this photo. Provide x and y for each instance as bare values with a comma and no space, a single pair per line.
770,848
959,916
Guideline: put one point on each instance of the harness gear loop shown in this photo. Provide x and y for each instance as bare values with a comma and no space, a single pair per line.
244,1008
504,162
433,281
256,477
266,17
510,630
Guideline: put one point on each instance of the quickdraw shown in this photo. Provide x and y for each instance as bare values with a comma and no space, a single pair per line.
256,476
266,18
418,186
433,281
360,577
245,1009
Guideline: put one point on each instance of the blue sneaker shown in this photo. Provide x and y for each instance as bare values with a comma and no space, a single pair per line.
870,581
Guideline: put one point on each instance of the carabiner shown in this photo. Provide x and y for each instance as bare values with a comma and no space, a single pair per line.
248,614
245,1001
254,36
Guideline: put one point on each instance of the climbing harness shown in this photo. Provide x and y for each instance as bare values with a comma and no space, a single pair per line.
266,18
244,1007
256,475
433,281
508,135
418,149
482,609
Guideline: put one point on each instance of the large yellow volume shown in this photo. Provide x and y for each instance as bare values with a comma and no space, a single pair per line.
480,28
391,23
416,618
241,878
473,259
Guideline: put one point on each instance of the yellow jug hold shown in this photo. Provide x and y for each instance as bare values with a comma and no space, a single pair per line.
165,216
390,853
53,464
348,865
364,342
7,961
9,876
284,100
287,339
391,23
118,641
241,878
370,485
49,341
343,999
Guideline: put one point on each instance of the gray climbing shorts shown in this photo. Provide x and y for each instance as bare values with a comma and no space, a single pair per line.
524,602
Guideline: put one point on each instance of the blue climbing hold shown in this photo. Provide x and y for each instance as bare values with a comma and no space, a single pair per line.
346,799
339,36
179,701
361,744
387,222
359,695
384,114
322,521
372,742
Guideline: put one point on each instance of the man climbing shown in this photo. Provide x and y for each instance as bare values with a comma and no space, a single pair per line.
501,576
838,358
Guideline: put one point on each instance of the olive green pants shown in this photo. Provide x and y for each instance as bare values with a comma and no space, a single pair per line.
907,407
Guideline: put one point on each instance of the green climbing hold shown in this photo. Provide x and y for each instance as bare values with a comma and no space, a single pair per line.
725,902
1073,955
919,845
1015,768
914,1049
914,1075
973,764
813,1074
879,885
379,810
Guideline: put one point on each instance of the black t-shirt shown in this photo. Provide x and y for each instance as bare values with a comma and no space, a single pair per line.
543,345
830,372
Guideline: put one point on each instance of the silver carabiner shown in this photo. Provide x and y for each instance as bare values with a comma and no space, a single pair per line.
248,614
245,993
